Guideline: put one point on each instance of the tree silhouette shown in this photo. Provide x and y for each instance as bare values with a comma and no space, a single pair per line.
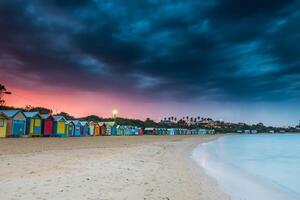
3,91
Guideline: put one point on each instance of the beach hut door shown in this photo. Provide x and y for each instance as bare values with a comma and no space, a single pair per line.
18,127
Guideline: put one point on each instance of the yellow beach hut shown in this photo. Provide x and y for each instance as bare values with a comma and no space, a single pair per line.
33,123
60,126
3,125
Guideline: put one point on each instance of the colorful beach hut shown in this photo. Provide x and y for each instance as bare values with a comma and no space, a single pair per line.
78,128
91,128
97,129
161,131
110,128
134,130
47,124
70,127
33,123
150,131
3,125
16,123
85,128
60,126
171,131
140,131
103,128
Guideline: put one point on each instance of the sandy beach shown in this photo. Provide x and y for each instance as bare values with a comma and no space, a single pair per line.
104,168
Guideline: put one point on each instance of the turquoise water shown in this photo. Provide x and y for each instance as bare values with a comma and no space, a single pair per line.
254,167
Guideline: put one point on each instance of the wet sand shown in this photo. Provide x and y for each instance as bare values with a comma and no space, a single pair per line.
96,168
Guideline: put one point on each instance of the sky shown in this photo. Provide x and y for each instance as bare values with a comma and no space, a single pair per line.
234,60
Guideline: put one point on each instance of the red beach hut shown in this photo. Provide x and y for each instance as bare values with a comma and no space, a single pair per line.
47,124
140,131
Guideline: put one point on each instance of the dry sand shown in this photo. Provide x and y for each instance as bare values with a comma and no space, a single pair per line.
102,168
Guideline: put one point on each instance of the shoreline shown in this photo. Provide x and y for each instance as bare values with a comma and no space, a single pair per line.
147,167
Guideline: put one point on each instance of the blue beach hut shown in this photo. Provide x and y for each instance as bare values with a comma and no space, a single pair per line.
70,126
78,128
16,123
85,128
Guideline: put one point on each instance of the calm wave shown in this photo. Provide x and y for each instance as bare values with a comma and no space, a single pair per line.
254,167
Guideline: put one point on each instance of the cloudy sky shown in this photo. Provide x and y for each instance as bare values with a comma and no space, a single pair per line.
236,60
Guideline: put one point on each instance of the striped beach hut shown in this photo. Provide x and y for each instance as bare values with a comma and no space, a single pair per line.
33,123
70,127
110,128
3,125
47,124
16,123
123,130
59,126
85,128
91,128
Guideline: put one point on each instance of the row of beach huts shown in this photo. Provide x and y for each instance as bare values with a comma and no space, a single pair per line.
16,123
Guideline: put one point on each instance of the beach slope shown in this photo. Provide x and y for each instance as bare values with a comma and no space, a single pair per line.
133,168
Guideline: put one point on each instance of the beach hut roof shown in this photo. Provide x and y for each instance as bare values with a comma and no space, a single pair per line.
59,117
11,113
110,123
69,121
83,123
31,114
45,116
101,123
3,115
76,122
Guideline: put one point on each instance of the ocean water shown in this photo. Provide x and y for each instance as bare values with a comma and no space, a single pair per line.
254,167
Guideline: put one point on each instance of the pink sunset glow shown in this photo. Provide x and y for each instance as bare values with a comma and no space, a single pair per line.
81,104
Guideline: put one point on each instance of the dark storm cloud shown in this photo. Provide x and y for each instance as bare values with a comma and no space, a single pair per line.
234,49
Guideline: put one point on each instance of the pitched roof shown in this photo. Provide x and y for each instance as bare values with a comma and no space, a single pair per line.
76,122
83,123
69,121
101,123
31,114
59,117
10,113
45,116
3,115
110,123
